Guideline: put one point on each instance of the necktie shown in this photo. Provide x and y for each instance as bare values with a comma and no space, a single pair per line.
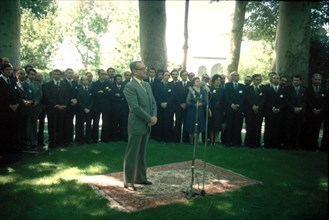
8,81
297,90
151,80
143,86
256,90
276,88
317,91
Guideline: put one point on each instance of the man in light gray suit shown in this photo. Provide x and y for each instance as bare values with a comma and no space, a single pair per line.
142,115
34,110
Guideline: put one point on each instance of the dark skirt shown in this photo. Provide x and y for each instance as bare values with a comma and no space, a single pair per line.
189,125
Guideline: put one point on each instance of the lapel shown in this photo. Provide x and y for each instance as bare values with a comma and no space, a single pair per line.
140,89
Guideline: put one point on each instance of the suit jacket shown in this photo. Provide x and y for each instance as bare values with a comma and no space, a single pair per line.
252,98
180,92
274,99
295,100
25,93
36,91
317,101
142,107
9,95
72,88
165,93
233,96
117,94
55,95
153,84
102,101
85,100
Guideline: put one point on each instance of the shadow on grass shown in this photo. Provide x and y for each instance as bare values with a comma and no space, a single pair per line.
295,184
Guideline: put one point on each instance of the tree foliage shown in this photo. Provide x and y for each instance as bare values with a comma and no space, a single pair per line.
261,20
261,23
39,38
85,31
125,27
105,34
40,8
260,61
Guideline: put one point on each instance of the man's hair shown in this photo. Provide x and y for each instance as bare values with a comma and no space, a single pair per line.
133,65
297,76
5,65
30,70
255,75
116,76
316,74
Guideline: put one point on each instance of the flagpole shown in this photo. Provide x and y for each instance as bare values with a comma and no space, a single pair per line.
185,47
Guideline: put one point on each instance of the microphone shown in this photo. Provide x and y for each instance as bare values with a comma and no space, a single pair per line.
205,86
191,91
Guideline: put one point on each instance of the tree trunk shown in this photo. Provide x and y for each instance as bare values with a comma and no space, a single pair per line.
10,17
293,39
152,26
236,35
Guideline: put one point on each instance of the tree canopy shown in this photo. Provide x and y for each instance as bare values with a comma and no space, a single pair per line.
40,8
261,24
40,38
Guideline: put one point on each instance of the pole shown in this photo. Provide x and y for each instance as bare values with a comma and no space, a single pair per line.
203,192
191,193
185,47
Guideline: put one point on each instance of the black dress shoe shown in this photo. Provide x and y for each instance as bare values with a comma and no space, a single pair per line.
129,186
145,183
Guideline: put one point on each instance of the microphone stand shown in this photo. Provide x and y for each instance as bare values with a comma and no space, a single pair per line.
203,192
191,192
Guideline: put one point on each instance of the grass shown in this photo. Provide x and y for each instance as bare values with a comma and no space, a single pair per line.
46,186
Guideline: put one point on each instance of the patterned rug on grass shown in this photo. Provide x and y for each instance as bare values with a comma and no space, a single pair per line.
170,184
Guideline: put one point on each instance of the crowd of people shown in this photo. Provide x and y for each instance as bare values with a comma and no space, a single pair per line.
81,110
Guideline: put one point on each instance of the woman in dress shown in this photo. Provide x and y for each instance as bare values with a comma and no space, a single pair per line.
196,105
216,108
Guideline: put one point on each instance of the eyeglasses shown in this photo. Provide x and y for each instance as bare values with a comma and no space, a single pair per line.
143,68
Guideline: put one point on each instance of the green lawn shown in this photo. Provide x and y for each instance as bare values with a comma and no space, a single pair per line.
46,186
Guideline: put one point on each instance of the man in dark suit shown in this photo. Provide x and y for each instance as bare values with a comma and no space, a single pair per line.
57,99
119,110
84,114
142,115
164,96
255,99
72,108
235,100
295,112
274,107
9,103
316,96
180,94
101,90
